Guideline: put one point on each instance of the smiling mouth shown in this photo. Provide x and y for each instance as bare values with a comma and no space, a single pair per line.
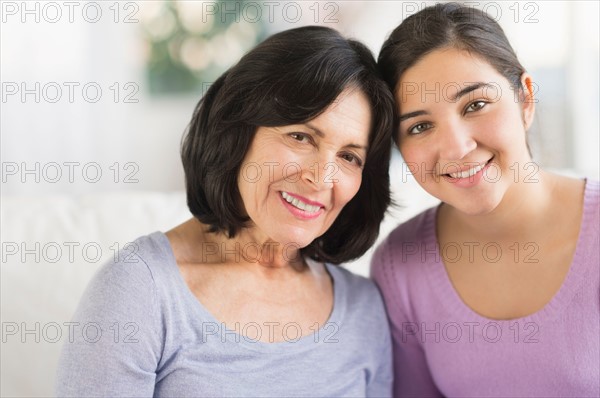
470,172
299,204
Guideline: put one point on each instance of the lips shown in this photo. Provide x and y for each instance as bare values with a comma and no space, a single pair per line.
303,204
468,172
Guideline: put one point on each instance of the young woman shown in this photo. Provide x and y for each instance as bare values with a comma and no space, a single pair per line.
495,292
286,161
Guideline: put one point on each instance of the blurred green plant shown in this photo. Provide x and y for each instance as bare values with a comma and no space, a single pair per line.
190,43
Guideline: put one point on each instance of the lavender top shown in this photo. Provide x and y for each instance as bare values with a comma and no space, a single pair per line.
442,347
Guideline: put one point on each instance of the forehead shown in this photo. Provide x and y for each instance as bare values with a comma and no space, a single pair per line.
350,114
447,68
351,100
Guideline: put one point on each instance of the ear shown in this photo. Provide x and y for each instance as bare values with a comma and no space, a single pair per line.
527,100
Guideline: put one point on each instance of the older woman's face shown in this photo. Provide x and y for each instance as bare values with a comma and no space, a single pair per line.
295,179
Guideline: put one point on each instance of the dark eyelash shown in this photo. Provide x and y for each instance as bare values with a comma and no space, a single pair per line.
484,103
296,136
358,160
415,125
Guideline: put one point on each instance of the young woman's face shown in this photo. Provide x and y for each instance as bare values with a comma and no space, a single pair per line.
295,180
463,129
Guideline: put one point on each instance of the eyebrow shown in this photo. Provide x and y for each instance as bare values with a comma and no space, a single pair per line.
412,114
315,129
453,98
470,88
321,134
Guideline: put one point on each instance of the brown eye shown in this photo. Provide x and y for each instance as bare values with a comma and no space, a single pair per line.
300,137
419,128
351,158
475,106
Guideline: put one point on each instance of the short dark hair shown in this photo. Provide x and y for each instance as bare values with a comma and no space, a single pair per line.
290,78
448,25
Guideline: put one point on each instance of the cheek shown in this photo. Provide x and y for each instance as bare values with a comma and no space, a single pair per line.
284,165
502,131
246,195
412,154
347,187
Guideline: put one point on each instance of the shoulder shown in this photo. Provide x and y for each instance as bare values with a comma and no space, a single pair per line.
593,186
359,301
590,226
120,306
143,260
592,197
356,293
400,261
414,229
131,279
355,287
405,246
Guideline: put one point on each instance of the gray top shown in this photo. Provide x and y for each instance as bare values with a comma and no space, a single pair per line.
140,331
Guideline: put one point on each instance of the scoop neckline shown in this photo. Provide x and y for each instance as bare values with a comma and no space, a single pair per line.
304,343
450,298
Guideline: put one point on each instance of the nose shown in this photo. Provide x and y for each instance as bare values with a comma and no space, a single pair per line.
320,171
455,141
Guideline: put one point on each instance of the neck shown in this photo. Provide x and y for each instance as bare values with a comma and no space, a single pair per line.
267,253
246,249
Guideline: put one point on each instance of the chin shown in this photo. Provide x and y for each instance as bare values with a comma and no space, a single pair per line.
476,211
297,238
477,207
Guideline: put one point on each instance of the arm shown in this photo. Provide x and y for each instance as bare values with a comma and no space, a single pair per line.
116,341
412,377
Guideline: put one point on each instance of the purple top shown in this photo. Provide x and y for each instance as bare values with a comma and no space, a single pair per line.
442,347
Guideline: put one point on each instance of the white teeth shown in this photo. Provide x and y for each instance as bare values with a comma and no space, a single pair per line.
467,173
299,204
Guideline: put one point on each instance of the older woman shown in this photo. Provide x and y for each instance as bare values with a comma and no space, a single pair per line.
286,161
